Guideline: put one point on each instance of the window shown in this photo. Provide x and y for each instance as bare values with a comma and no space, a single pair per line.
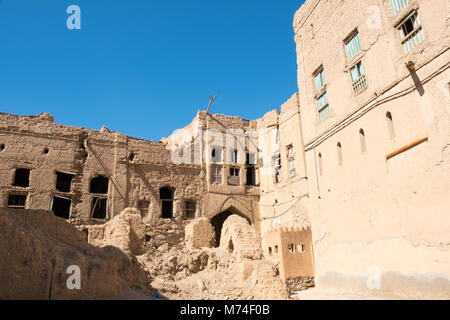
233,156
2,147
22,178
291,160
17,201
411,32
216,174
398,5
99,208
339,151
390,125
323,106
216,154
353,46
270,250
320,164
189,210
301,248
276,249
233,179
63,181
277,167
251,175
358,77
250,169
166,196
61,207
291,248
99,185
321,97
319,79
362,138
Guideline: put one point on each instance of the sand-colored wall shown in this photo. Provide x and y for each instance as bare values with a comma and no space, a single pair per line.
371,215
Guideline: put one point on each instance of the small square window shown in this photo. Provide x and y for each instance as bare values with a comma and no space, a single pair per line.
63,181
189,210
17,201
99,208
22,178
234,178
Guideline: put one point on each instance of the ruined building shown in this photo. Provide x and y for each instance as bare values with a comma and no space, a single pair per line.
349,179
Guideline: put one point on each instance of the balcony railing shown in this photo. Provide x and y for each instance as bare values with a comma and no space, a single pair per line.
359,84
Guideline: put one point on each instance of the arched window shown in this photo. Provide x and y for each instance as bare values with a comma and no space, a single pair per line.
166,196
362,138
339,151
390,125
320,164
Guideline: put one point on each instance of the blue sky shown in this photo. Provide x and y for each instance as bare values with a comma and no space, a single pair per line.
144,67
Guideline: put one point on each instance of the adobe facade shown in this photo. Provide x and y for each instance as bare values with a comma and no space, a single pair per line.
374,98
347,181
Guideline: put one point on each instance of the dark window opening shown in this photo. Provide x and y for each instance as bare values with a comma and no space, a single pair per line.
63,181
17,201
2,147
61,207
166,196
276,249
99,208
408,26
251,176
22,178
45,151
131,157
167,209
270,250
99,185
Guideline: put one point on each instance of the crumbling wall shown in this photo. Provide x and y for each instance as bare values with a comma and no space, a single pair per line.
199,234
37,249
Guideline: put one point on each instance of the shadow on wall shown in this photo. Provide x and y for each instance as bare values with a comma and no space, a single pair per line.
38,248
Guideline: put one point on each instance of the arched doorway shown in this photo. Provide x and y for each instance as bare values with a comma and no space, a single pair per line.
218,220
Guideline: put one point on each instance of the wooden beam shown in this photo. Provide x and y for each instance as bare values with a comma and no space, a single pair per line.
408,146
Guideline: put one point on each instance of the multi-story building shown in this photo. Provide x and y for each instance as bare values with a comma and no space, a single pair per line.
374,99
